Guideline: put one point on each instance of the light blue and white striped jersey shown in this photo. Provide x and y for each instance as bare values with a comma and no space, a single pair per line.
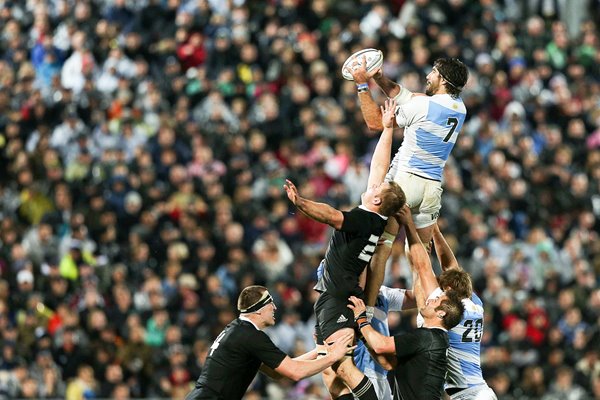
464,362
432,125
388,300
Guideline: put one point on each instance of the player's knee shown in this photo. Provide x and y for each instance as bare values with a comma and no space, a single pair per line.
344,368
328,377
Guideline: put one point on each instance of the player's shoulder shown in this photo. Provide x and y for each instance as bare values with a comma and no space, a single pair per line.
367,214
454,103
476,300
420,98
473,305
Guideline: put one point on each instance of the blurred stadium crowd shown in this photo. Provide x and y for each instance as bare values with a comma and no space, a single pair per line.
143,148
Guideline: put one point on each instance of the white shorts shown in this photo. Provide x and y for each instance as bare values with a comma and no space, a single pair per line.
423,196
480,392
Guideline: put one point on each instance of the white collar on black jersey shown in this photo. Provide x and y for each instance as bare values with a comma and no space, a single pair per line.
366,209
436,327
249,320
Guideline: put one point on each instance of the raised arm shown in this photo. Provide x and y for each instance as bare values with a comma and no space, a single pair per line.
370,110
444,252
380,162
418,256
378,343
410,301
388,86
368,107
320,212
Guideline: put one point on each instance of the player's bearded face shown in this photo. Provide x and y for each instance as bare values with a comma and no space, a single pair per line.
431,305
433,82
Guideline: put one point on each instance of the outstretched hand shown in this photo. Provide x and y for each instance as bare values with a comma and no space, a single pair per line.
388,113
341,345
358,70
357,306
404,216
292,191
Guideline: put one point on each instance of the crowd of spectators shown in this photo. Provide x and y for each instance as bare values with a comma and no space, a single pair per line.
143,148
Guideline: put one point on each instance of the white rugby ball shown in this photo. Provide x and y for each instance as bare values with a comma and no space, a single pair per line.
374,61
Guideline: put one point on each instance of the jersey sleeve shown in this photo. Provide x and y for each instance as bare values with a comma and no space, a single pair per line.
354,221
407,343
261,347
415,109
475,299
395,297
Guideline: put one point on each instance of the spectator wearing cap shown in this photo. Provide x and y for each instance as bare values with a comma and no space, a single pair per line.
25,287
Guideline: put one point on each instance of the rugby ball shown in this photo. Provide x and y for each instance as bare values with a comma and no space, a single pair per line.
374,61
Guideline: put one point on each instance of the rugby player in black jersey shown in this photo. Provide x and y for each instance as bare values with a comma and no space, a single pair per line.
419,357
350,250
243,348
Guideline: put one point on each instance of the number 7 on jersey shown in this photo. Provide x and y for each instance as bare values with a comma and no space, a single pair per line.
453,123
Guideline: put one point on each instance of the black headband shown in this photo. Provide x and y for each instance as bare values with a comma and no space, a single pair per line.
457,87
263,301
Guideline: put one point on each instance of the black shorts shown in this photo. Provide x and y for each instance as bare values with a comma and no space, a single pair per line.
332,315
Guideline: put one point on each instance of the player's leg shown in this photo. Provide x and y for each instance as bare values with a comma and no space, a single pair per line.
361,386
376,268
334,384
329,311
428,210
334,320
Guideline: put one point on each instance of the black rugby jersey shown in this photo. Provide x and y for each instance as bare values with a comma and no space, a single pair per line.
233,361
422,362
350,250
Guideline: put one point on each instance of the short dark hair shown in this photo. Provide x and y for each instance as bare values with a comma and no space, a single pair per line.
250,296
454,72
392,200
459,281
454,309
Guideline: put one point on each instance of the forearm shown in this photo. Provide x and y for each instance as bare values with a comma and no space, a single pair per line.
320,212
380,344
387,361
370,111
311,355
270,372
444,252
305,368
418,291
380,162
376,268
376,274
419,261
418,253
389,87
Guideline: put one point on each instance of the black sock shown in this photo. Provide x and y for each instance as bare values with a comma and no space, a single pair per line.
348,396
365,390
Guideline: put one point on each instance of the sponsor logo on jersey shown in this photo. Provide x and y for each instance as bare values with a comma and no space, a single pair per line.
342,319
